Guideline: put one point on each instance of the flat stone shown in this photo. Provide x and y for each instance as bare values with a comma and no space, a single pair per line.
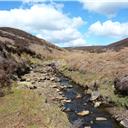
83,113
58,90
101,119
97,104
62,87
124,123
52,79
87,126
78,96
70,86
60,93
67,101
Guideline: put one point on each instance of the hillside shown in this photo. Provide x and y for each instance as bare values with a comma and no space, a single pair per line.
119,44
114,46
19,50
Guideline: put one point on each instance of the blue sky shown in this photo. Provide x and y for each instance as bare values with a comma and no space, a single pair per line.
68,23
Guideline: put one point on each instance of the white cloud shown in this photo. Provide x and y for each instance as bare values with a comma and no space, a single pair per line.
67,37
45,21
34,1
107,7
109,29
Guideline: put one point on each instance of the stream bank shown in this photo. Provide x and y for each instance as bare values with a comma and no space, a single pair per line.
64,103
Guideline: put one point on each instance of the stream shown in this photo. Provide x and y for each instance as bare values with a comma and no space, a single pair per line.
83,103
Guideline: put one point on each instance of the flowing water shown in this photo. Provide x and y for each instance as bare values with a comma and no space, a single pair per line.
80,104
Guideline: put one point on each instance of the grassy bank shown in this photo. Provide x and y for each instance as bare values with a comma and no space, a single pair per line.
26,109
106,88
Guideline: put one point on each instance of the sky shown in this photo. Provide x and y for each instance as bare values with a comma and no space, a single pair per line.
68,23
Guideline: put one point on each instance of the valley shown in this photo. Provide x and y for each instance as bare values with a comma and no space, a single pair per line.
44,86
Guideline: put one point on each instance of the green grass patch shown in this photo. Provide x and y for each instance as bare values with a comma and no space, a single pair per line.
106,88
24,101
25,106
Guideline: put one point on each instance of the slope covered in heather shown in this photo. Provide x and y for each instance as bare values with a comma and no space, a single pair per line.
19,50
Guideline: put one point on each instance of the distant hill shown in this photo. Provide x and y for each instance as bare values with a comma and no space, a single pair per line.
19,50
114,46
118,45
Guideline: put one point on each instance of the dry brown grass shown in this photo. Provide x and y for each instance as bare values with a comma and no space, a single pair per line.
87,68
109,64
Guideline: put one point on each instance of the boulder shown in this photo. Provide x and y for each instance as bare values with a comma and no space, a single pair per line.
121,85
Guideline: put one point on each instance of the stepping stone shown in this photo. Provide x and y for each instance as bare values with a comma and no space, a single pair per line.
58,90
78,96
87,126
97,104
101,119
70,86
83,113
67,101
